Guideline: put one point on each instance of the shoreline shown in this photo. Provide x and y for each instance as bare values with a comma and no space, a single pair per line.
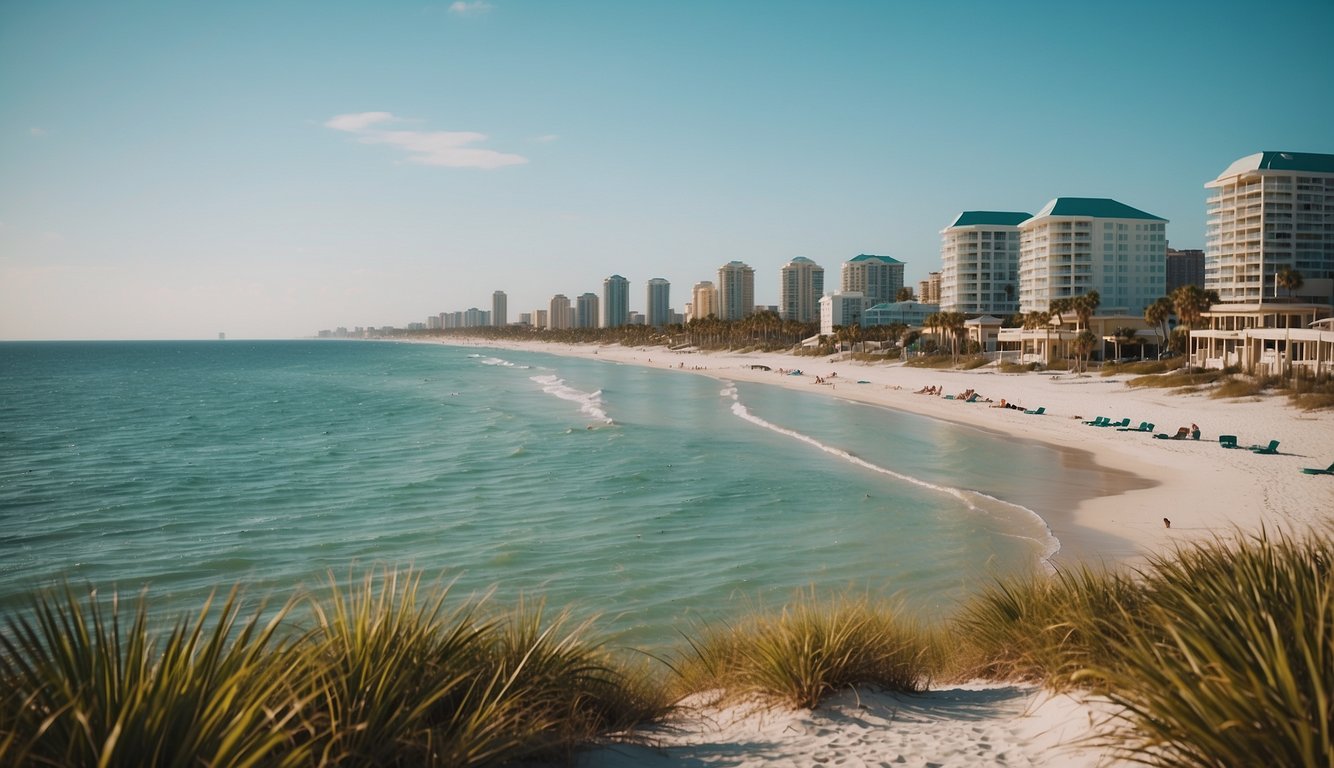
1204,490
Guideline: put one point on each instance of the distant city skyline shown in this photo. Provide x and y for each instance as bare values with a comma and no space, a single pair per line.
264,170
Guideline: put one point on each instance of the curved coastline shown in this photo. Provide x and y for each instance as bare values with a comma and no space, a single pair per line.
1202,491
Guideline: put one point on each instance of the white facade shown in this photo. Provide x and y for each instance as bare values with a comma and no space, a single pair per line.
800,286
1079,244
736,291
979,254
878,278
841,309
1268,211
500,315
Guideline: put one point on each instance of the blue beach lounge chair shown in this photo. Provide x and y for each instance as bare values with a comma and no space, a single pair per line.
1227,441
1118,424
1270,449
1037,411
1099,421
1144,426
1318,471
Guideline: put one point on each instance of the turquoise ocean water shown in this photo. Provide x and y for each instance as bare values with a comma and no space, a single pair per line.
652,498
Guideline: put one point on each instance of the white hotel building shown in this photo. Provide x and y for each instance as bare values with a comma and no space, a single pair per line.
1268,211
801,284
980,257
1079,244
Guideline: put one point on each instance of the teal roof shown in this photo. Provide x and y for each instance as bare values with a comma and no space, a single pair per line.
1094,208
1283,161
992,218
868,257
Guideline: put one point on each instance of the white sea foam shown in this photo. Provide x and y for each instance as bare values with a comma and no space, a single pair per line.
975,501
502,363
590,403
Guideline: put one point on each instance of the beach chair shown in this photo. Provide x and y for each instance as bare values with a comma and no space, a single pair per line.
1099,421
1318,471
1268,450
1227,441
949,397
1182,434
1119,424
1144,426
1037,411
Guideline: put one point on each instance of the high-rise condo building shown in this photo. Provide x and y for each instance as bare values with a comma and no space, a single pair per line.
615,302
499,309
877,278
1268,211
736,291
1184,268
586,311
657,302
558,315
928,290
979,256
800,286
1079,244
703,300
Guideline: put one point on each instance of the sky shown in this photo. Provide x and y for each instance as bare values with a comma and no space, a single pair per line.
269,169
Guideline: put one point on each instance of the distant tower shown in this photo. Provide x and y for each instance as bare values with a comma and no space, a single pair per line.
499,309
736,291
558,314
657,306
615,302
1184,268
877,278
704,300
586,311
800,286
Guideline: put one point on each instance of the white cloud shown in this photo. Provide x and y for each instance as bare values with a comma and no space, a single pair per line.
469,8
443,148
357,121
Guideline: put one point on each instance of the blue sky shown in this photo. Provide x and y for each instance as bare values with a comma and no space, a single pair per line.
268,169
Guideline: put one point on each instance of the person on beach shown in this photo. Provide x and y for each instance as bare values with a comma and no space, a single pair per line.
1194,431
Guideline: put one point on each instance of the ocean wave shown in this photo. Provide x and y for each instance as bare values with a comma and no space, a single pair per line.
590,403
975,501
501,362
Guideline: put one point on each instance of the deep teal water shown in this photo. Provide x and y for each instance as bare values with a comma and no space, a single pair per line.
652,498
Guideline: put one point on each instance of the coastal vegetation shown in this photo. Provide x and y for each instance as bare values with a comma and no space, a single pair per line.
1219,653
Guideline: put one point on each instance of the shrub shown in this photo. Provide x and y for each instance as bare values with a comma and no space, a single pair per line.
1233,657
809,650
82,688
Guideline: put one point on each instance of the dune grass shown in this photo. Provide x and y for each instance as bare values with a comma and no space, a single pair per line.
810,649
387,675
1220,653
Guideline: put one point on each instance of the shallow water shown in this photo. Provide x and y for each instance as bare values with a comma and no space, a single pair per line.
653,498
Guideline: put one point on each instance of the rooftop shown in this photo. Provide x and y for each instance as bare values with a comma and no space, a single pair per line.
1281,161
992,218
1094,208
869,257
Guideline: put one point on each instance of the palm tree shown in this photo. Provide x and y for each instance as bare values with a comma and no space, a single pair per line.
1157,315
1287,278
1085,342
1084,307
1125,336
953,323
1190,302
904,294
1034,320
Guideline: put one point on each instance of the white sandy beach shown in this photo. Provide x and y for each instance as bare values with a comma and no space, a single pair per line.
1203,489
